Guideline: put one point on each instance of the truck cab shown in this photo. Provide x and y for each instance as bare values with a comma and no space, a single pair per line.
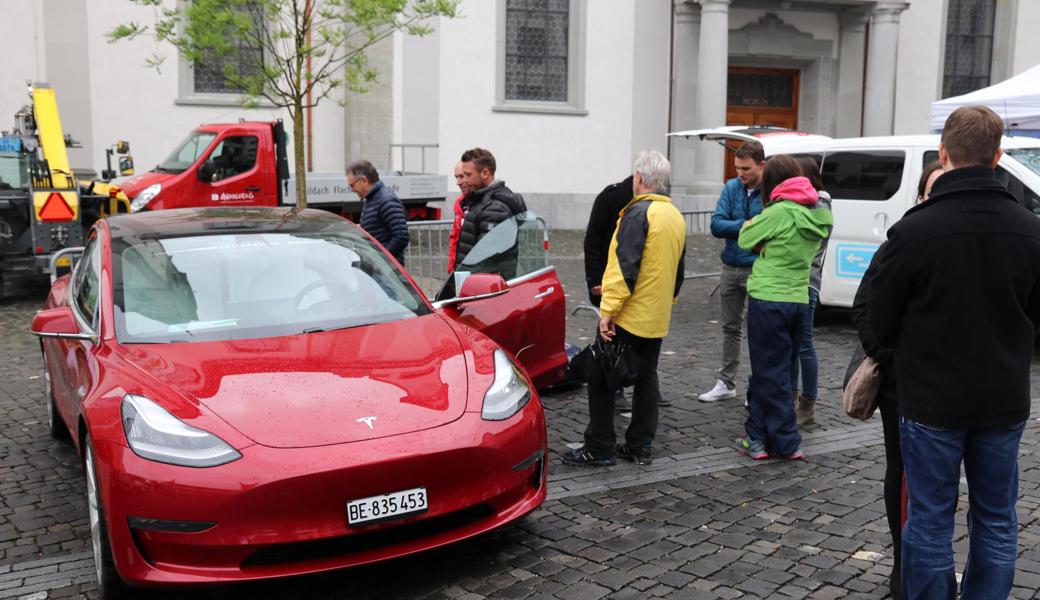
216,165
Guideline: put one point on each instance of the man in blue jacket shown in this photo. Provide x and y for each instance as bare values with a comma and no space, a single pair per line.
739,202
382,215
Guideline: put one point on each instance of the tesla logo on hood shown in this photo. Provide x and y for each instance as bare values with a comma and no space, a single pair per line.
367,421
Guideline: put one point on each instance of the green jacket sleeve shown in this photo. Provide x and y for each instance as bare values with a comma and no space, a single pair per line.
760,229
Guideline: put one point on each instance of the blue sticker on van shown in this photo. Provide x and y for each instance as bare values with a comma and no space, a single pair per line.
853,259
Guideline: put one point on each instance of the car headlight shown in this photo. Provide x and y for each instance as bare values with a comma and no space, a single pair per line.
508,392
145,197
155,434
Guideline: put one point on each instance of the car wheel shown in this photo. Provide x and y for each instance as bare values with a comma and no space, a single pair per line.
109,583
55,423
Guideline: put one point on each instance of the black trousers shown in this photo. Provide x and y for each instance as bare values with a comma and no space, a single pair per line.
599,435
893,472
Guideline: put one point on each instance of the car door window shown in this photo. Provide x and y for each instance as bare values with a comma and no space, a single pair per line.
513,248
863,174
234,155
1025,196
86,283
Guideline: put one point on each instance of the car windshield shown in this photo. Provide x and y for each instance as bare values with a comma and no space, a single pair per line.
186,153
1029,157
513,248
14,168
251,285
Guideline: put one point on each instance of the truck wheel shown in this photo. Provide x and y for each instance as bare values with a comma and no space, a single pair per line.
109,583
55,424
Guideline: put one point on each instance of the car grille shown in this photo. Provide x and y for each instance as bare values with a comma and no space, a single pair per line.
360,542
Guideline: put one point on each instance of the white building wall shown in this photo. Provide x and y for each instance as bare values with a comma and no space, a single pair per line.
23,58
922,30
1026,49
651,74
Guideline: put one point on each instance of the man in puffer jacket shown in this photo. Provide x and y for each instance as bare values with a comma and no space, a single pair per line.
786,235
487,203
382,215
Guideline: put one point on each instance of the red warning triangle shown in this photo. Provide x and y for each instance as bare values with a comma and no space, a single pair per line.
56,209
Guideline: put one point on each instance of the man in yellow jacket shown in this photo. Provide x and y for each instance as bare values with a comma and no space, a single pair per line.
644,273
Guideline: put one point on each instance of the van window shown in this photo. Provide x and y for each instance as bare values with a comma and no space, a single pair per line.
929,157
863,175
234,155
1025,196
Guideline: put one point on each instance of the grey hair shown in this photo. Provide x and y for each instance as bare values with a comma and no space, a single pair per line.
655,170
363,168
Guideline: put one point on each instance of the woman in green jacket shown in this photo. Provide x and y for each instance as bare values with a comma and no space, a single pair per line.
787,235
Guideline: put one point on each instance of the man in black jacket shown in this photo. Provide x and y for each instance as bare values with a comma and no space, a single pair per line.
382,215
602,222
957,294
488,202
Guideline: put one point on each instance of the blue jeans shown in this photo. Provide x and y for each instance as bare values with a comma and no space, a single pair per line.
932,461
810,367
774,332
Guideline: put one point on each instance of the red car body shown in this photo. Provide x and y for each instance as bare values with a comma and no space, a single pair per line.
295,408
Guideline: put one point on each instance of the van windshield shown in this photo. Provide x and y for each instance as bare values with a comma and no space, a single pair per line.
186,153
1028,157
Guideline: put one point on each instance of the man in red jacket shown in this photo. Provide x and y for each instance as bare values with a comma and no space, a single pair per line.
458,216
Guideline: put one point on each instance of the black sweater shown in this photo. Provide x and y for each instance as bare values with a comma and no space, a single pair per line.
603,220
957,295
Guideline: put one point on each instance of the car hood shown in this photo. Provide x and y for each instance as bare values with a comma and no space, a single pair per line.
133,185
322,388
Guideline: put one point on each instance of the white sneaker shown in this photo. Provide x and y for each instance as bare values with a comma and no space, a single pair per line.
719,392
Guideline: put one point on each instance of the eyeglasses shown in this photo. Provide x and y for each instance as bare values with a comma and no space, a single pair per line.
351,184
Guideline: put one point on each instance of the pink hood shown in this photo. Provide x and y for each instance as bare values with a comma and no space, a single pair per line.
795,189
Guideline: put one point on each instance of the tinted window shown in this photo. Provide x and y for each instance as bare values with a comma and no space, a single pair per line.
929,157
234,155
86,282
1025,196
866,175
248,285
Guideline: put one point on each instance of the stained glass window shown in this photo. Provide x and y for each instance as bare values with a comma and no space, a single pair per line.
969,46
537,33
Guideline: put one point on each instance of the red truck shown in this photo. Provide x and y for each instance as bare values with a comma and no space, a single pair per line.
245,164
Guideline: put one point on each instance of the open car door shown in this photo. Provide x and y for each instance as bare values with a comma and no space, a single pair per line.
506,288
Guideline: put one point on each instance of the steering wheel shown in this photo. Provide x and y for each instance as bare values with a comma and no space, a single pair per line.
334,301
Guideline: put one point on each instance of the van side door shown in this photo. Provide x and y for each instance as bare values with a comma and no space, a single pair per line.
869,190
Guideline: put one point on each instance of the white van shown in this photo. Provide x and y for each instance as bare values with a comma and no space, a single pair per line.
872,182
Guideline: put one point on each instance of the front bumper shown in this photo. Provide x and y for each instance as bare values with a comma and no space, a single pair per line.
280,512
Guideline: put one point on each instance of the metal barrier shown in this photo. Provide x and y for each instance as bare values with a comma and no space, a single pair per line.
698,223
426,258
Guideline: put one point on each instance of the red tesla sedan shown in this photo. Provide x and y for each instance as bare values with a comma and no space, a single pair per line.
263,392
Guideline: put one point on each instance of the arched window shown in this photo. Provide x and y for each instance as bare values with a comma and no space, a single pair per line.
969,46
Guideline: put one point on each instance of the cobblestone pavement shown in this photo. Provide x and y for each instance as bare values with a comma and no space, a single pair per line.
701,522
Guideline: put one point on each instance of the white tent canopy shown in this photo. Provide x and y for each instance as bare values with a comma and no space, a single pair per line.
1016,100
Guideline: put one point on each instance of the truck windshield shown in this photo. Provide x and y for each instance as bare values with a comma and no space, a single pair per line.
243,285
1029,157
186,153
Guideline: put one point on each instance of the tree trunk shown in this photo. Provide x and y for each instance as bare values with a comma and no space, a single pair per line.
299,154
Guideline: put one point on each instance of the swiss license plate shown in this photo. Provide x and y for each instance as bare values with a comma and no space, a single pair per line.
387,506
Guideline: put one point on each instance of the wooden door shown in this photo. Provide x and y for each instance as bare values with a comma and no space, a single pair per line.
760,97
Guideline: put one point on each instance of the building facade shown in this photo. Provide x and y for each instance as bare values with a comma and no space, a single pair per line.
564,92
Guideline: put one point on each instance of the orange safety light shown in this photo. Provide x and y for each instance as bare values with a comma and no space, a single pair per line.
56,209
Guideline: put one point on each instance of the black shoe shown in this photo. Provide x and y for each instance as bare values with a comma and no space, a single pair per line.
662,401
621,402
583,458
641,456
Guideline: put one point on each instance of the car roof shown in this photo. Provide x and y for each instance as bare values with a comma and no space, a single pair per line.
776,140
185,222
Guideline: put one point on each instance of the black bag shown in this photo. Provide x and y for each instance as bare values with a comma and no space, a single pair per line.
613,363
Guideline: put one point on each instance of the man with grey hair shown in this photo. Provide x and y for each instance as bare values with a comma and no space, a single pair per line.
642,280
382,215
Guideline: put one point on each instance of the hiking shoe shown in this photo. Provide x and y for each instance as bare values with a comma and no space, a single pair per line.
805,410
622,403
753,448
796,455
719,392
640,456
583,458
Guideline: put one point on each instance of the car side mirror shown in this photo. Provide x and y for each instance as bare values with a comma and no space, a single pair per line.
479,284
206,171
476,286
59,323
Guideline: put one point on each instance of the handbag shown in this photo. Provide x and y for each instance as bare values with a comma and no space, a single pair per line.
613,363
859,397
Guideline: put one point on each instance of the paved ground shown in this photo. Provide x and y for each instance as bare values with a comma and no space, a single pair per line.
701,522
